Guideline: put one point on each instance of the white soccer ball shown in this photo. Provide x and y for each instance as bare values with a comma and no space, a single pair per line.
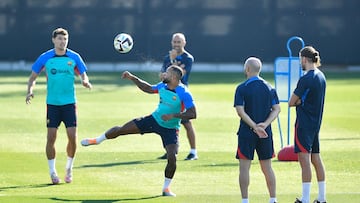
123,43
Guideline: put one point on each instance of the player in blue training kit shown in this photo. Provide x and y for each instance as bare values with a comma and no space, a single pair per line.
309,97
60,65
176,103
257,105
179,56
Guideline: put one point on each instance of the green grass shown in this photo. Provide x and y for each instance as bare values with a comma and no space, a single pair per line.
126,169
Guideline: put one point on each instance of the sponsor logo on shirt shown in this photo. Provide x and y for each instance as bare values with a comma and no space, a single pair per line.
54,71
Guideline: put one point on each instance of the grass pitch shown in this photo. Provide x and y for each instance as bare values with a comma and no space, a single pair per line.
126,169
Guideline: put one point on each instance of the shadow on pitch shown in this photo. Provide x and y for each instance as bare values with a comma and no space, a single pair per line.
103,200
221,165
25,186
344,139
112,164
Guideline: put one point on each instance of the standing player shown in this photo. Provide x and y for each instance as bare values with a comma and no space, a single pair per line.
176,103
257,105
308,97
60,65
179,56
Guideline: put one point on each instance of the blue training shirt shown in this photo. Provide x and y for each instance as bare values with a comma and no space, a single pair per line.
311,90
185,59
171,101
257,96
60,73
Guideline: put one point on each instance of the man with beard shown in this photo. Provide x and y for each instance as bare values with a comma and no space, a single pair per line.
176,103
179,56
308,99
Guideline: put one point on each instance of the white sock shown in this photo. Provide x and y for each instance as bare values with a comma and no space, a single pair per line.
167,182
69,163
306,192
272,200
322,191
245,201
51,163
101,138
193,151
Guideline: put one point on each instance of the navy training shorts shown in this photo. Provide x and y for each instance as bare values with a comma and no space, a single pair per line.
64,113
247,144
306,140
148,124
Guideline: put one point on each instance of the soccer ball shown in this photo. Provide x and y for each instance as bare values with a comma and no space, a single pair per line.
123,43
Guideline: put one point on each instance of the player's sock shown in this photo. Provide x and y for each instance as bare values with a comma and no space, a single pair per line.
306,192
272,200
51,163
68,169
193,151
69,163
245,201
167,182
100,138
322,191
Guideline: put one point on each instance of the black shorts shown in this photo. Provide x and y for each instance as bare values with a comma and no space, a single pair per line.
306,140
184,121
148,124
250,142
57,114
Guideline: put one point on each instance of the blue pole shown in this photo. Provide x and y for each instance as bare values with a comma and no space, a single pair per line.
289,78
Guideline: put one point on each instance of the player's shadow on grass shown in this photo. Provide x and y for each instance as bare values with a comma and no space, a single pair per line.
220,165
118,163
103,200
25,186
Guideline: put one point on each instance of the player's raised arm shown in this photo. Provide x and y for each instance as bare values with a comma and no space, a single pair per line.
142,84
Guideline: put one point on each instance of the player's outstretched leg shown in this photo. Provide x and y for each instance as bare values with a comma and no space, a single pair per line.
89,141
114,132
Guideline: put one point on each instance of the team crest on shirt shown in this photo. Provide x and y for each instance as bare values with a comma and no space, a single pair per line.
69,63
174,98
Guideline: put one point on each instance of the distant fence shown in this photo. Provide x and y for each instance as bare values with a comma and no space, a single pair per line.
146,66
224,31
155,66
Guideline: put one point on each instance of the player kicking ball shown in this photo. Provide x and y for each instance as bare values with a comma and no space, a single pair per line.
176,103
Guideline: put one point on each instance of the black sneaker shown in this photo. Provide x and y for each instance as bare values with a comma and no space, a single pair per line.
191,157
163,156
297,201
317,201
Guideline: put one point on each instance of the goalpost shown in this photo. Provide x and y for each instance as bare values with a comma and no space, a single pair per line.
287,72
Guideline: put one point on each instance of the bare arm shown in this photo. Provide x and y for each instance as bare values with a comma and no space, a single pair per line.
85,80
187,115
143,85
272,116
245,117
30,87
294,100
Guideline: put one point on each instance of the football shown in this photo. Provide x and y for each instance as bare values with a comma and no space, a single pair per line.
123,43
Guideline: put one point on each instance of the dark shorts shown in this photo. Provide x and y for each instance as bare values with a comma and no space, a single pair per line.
149,125
306,140
184,121
57,114
249,143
